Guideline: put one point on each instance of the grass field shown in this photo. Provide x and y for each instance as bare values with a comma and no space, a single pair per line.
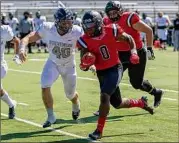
133,125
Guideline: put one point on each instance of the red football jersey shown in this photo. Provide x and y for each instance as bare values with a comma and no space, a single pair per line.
125,22
104,47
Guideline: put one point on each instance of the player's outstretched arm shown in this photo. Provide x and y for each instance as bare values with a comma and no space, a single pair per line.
30,38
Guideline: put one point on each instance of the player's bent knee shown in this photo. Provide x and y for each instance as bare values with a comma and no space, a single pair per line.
136,84
45,91
105,98
72,96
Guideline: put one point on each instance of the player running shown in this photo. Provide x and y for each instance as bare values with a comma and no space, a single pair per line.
100,41
61,37
7,35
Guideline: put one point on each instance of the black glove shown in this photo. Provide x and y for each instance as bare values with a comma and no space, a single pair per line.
150,53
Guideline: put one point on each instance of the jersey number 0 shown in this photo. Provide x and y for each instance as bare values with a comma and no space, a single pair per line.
104,52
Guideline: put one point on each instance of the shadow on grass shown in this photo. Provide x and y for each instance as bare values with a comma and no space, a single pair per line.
129,134
72,141
93,119
30,134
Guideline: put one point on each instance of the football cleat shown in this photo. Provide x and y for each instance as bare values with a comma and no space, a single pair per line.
146,107
158,97
75,115
48,124
12,112
95,135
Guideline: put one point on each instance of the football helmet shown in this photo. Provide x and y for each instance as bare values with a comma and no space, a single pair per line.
63,20
92,23
113,10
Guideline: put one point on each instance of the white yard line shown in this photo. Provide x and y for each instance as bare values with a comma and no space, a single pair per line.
86,78
24,104
50,128
170,99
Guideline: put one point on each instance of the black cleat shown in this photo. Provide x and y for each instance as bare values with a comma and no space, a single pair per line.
146,107
95,135
48,124
12,112
158,97
75,115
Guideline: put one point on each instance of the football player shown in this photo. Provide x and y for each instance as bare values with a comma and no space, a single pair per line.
7,35
61,37
101,41
131,24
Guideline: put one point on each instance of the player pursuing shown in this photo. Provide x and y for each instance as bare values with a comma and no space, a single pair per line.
100,41
7,35
61,37
131,24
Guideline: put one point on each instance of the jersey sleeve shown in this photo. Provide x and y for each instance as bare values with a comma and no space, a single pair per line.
9,34
132,19
81,43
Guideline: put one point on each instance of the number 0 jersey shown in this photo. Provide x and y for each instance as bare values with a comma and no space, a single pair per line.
61,48
103,47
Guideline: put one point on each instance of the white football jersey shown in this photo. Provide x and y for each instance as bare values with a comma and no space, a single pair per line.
61,48
13,24
6,35
162,21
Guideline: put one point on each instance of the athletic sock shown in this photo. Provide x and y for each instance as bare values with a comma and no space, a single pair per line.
136,103
101,123
76,107
51,116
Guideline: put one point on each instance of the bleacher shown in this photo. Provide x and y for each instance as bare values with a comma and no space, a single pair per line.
47,8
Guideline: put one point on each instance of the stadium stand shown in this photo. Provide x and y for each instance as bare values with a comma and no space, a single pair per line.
170,7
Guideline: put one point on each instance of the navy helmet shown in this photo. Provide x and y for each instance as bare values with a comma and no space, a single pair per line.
63,20
92,23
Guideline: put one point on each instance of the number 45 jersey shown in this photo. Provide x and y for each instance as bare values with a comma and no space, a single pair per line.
61,48
104,47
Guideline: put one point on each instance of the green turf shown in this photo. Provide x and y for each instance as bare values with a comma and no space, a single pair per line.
134,125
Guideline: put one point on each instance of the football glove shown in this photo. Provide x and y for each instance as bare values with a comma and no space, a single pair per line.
134,58
88,60
83,67
150,53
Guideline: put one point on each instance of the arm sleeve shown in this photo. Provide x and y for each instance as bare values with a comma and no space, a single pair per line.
81,43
